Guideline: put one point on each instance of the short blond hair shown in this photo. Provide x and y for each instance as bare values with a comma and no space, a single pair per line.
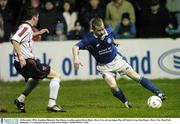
95,22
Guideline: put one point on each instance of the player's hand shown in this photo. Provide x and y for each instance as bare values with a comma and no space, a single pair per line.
45,30
22,61
116,42
77,63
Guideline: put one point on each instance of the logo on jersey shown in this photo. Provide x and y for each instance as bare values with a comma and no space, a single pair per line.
22,31
109,40
170,61
97,45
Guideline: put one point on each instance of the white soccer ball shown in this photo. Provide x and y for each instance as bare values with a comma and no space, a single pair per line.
154,102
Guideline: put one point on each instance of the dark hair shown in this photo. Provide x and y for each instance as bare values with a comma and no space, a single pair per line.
71,6
125,15
29,13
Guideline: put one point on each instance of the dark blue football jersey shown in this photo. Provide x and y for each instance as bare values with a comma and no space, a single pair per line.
103,49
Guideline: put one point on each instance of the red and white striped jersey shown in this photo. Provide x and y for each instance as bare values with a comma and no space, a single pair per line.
24,36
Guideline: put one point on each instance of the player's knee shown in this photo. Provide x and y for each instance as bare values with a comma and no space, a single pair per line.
57,75
107,76
54,74
56,79
133,75
35,81
113,87
137,77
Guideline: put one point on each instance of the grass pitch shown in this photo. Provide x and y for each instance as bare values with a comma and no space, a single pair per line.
91,99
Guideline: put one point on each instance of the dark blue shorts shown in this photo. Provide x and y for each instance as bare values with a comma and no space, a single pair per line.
33,69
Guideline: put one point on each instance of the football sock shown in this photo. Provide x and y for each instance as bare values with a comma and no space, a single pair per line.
30,86
119,94
21,98
148,85
54,89
51,102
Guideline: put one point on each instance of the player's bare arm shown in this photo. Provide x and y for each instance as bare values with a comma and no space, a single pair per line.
42,31
76,61
17,49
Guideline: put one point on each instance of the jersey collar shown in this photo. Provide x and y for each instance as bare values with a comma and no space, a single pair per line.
102,38
27,24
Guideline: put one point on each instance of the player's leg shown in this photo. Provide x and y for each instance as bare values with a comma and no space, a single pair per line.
146,83
30,85
117,92
54,89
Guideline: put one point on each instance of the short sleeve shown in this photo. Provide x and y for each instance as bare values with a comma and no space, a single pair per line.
83,43
22,32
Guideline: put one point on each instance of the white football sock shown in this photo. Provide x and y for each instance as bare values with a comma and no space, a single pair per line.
21,98
51,102
54,89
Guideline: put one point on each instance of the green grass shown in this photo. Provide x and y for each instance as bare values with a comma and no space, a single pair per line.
89,99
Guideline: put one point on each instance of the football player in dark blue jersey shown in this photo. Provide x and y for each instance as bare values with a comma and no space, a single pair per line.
101,45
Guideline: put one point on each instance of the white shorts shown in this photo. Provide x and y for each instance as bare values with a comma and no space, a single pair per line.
118,65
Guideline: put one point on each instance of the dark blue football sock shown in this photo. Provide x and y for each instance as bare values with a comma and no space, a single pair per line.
119,94
148,85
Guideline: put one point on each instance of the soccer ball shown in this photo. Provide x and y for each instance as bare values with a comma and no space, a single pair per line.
154,102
